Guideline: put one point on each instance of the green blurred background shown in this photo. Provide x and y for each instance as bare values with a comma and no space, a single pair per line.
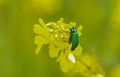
101,30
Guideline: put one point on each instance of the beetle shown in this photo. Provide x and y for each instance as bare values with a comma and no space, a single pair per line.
73,38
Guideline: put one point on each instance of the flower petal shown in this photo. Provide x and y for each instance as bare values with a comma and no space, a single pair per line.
38,49
79,29
66,64
79,67
61,56
78,51
61,44
42,23
38,42
53,51
43,31
37,29
71,58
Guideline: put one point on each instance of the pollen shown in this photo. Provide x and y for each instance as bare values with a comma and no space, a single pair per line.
56,35
99,75
51,30
61,36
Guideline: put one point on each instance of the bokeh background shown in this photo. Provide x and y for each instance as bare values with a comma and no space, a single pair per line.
101,31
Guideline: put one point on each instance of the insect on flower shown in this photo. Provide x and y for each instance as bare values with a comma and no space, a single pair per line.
73,38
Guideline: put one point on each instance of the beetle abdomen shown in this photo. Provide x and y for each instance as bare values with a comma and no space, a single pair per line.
75,41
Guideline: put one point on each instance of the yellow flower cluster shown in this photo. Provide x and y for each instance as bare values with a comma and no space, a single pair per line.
56,35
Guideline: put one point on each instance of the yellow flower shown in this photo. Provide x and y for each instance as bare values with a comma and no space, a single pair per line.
88,66
56,35
67,58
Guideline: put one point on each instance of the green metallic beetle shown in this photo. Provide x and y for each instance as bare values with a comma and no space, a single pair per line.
74,39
